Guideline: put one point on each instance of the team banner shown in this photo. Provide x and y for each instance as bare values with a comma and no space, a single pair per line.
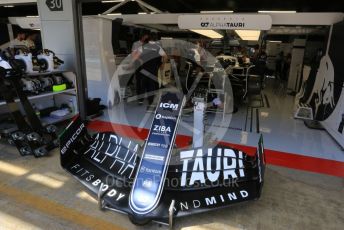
146,181
225,21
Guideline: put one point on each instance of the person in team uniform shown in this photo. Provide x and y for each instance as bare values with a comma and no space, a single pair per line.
138,78
151,57
19,41
143,40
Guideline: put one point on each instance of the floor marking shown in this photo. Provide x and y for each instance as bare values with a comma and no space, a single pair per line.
279,158
47,206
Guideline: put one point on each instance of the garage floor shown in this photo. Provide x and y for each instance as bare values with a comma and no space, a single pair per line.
287,141
39,194
274,120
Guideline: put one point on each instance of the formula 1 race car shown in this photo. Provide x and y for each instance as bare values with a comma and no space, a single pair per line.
153,181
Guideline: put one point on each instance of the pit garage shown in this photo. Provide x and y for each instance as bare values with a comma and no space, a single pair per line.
133,114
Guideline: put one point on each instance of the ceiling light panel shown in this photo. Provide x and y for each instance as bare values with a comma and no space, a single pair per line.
248,35
209,33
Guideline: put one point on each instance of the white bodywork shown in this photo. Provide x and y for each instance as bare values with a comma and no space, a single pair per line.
27,59
49,59
333,122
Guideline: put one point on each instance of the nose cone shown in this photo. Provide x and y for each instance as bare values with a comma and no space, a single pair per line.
142,199
144,195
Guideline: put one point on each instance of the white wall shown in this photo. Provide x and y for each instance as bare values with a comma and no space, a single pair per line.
99,57
57,30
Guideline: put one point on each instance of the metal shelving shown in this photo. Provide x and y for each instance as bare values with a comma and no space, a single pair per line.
45,94
44,73
47,119
54,120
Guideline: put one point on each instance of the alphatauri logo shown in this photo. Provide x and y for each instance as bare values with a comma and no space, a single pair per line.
223,24
221,163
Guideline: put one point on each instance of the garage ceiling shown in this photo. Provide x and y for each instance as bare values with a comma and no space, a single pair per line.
193,6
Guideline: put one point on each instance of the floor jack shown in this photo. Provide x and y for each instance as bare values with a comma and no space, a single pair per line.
29,135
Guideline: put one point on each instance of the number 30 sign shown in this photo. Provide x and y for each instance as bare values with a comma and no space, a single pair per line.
54,5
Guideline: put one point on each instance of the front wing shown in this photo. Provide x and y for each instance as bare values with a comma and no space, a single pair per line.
198,180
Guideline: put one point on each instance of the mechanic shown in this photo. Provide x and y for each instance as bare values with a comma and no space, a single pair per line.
136,64
151,57
143,40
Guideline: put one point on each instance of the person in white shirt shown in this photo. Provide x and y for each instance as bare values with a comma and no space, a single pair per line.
143,39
